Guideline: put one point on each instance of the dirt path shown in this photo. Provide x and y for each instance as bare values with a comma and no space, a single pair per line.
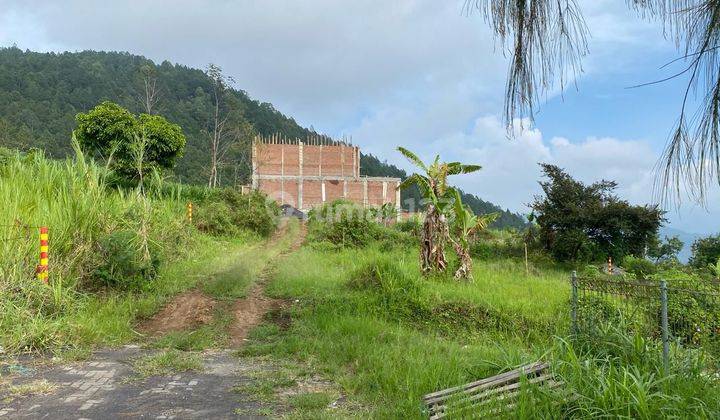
193,308
249,312
109,385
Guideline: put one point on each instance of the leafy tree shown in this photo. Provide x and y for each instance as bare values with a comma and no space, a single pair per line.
547,39
588,222
705,251
432,183
464,225
664,250
113,133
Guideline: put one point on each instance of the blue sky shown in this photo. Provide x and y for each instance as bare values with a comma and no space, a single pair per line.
417,73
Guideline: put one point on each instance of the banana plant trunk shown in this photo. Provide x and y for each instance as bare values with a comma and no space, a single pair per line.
464,271
435,234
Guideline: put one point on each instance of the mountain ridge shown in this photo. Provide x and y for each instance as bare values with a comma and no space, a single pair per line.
40,94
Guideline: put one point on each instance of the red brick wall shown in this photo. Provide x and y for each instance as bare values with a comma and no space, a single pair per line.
333,190
331,160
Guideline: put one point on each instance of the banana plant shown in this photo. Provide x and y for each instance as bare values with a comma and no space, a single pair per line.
465,224
432,183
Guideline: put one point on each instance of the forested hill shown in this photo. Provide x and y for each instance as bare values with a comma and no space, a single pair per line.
40,94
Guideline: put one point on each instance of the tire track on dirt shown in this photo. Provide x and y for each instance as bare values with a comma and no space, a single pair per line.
250,311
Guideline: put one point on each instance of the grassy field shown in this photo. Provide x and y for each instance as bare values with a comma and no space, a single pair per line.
389,347
368,320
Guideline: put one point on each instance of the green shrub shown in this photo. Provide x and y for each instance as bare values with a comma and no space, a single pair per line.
6,155
125,262
621,375
343,223
590,271
227,210
398,293
640,268
693,306
252,211
492,244
412,226
215,218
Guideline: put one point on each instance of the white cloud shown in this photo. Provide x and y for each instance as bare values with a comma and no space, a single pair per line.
511,172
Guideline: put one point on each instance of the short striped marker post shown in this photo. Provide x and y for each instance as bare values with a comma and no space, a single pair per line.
42,270
189,212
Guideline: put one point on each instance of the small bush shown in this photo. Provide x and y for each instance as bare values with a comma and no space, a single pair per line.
346,224
252,211
398,293
7,155
215,218
412,226
124,261
228,211
640,268
343,223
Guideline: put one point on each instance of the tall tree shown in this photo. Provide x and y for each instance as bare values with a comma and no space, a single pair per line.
705,251
217,133
151,94
588,222
131,146
432,182
664,250
546,41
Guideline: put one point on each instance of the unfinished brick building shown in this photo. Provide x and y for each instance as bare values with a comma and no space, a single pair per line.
307,174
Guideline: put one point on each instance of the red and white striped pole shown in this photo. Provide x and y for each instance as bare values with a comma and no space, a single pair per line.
42,270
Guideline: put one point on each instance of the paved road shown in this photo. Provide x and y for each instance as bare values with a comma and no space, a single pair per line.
107,387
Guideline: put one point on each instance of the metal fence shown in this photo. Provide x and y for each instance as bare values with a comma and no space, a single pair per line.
686,314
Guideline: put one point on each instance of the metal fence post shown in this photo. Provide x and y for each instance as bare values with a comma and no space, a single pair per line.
664,320
574,302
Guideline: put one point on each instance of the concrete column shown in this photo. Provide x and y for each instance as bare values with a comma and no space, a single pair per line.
355,174
320,162
365,193
384,191
345,188
254,164
342,160
300,176
322,190
398,206
282,174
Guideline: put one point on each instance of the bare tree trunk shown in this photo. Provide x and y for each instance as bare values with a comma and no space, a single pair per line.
433,239
152,93
464,271
214,143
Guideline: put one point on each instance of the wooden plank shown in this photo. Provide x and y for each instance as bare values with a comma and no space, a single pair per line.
533,368
497,395
489,394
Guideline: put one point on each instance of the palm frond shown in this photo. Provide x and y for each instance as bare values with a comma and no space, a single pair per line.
412,157
457,168
485,220
422,183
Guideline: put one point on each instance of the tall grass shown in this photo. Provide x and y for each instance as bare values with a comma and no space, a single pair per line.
72,198
369,320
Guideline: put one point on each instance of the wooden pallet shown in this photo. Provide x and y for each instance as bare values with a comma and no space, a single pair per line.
489,396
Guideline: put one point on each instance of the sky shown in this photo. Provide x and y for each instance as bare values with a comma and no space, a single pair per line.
418,73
